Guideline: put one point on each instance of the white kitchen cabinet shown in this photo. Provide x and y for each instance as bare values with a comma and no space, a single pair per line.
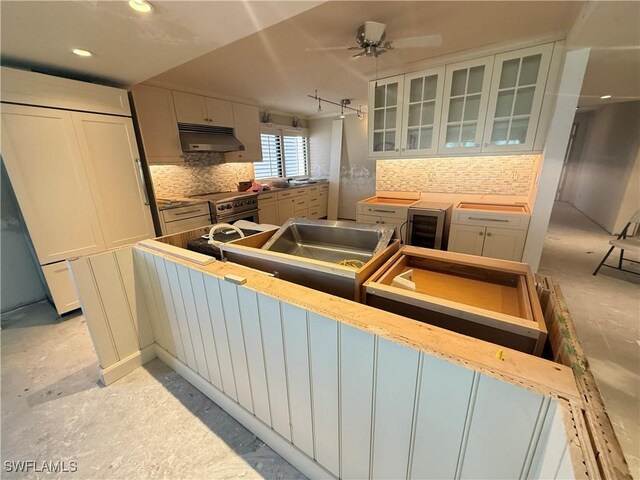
180,219
517,91
112,162
158,125
268,208
385,116
42,156
421,110
384,214
60,283
466,95
504,243
201,110
286,206
467,239
476,233
246,119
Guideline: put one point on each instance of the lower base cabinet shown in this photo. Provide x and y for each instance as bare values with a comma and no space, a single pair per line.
503,243
303,202
61,286
268,209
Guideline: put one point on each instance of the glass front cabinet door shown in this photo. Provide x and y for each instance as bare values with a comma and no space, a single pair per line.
385,118
422,106
517,91
466,94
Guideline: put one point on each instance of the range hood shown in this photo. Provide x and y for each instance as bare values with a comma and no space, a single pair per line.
207,138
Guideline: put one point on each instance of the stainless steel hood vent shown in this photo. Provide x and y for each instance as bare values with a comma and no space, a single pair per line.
207,138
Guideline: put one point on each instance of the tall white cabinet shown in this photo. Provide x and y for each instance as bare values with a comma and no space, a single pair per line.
77,176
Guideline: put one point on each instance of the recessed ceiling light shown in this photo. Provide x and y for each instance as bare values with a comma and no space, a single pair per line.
82,53
604,97
140,6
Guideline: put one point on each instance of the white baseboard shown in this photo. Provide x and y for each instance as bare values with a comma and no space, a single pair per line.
128,365
269,436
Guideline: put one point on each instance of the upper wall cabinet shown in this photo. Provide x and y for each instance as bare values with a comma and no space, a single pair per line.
490,104
385,116
517,90
158,125
201,110
465,106
247,129
422,106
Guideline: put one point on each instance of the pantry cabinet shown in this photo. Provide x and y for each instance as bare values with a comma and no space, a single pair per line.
517,90
201,110
490,104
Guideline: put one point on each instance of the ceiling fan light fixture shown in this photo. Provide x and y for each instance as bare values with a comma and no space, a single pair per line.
140,6
81,52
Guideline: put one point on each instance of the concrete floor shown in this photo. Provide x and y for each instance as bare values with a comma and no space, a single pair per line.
154,424
606,312
151,423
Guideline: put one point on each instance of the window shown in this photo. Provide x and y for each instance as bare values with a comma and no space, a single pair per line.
284,154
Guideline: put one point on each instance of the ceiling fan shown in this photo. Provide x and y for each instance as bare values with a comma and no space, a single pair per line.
371,37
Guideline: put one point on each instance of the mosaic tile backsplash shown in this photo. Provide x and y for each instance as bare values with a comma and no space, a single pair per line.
201,173
491,175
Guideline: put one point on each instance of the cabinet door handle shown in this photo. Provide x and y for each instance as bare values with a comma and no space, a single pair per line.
480,233
186,213
382,211
488,234
482,219
142,184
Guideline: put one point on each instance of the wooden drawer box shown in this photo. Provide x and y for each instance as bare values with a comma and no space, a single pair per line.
492,300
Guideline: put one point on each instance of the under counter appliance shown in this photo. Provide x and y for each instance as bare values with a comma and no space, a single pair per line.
428,224
229,207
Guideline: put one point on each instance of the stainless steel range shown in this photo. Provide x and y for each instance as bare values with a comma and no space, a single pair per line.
228,207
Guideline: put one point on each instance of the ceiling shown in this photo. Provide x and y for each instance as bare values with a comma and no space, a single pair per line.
258,50
274,68
128,46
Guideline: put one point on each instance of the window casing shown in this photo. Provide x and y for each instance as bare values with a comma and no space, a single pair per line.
285,153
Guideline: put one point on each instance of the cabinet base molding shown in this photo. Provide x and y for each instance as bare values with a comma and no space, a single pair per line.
127,365
280,445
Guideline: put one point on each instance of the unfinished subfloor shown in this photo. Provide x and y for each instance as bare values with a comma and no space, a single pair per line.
150,424
154,424
606,313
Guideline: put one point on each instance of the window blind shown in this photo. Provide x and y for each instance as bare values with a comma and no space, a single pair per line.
271,164
284,154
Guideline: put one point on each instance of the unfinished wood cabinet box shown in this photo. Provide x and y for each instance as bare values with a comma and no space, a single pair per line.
342,281
488,299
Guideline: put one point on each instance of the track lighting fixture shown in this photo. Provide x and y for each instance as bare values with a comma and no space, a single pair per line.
344,103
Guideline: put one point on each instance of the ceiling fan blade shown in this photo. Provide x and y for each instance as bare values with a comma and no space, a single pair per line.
329,49
420,41
357,55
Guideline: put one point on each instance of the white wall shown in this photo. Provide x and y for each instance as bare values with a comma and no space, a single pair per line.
20,282
357,173
606,182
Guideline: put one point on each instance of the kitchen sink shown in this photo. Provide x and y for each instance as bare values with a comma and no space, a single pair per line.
330,241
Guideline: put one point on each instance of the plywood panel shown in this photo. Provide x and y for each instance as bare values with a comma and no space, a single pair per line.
114,303
294,322
396,378
356,396
236,343
165,288
160,319
96,320
220,334
252,331
502,426
133,288
323,349
186,289
181,314
206,328
444,395
274,363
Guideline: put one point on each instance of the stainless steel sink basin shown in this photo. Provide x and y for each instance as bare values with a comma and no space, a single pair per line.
330,241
